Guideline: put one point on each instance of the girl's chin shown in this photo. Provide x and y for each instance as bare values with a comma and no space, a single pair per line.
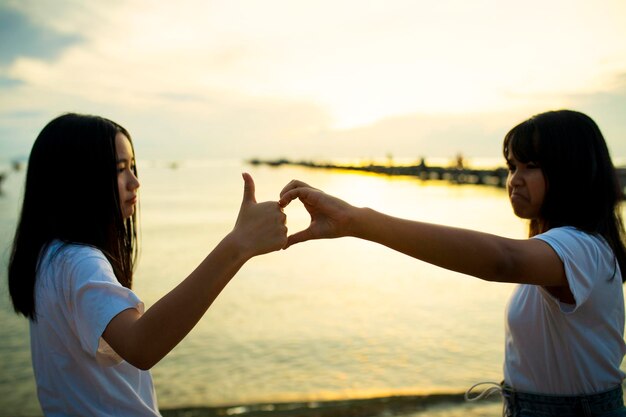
127,212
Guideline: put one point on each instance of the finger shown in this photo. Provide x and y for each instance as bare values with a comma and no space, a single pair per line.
248,188
293,184
299,237
291,195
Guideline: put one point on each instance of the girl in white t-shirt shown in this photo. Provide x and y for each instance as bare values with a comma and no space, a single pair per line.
565,321
71,271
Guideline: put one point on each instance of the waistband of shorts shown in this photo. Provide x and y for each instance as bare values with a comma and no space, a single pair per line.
604,401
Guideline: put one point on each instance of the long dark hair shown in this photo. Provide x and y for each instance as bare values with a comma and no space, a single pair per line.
582,188
71,194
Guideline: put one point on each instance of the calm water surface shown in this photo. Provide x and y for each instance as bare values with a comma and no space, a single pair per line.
338,319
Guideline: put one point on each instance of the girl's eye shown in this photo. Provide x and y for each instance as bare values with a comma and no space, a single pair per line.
511,167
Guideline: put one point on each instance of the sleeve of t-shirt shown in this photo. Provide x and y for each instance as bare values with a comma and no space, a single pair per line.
96,297
580,254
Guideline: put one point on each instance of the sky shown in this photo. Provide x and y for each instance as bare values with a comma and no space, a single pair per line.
311,79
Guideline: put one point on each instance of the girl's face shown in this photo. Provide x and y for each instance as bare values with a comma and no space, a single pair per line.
526,185
127,182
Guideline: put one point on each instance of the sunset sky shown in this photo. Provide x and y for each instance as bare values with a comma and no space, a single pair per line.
311,79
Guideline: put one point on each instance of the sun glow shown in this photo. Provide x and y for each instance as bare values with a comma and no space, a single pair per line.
246,69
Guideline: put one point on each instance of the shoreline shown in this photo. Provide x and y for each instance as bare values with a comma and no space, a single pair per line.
378,406
435,404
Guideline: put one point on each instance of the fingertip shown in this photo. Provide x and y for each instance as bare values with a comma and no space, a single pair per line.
247,177
248,187
286,195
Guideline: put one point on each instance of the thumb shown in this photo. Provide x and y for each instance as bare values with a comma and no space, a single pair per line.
248,189
299,237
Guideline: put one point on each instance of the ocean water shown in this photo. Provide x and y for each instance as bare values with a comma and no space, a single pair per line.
321,328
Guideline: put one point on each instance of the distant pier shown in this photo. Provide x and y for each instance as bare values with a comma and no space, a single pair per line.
459,174
455,174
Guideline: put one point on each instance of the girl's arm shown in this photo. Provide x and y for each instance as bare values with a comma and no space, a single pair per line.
143,340
486,256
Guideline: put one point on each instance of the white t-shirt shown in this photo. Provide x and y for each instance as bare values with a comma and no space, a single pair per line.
569,349
77,372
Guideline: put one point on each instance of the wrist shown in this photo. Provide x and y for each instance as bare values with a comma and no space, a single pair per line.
355,221
237,247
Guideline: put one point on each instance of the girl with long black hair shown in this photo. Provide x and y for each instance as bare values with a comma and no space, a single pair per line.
565,321
71,271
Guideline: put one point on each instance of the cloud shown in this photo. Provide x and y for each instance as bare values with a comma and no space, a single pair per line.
608,108
20,37
234,127
177,126
7,83
310,79
479,134
413,136
207,124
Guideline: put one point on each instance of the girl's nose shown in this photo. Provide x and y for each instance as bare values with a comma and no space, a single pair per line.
515,178
133,184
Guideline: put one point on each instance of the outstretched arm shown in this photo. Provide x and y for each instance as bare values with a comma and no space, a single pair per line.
482,255
143,340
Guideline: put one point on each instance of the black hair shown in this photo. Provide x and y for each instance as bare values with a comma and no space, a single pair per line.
71,195
582,187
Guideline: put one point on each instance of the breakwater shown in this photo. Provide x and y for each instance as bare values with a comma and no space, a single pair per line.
457,174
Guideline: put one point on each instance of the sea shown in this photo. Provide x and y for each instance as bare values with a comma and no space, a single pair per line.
340,327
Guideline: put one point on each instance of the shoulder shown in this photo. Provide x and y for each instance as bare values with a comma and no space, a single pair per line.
58,251
74,249
75,261
568,237
580,250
